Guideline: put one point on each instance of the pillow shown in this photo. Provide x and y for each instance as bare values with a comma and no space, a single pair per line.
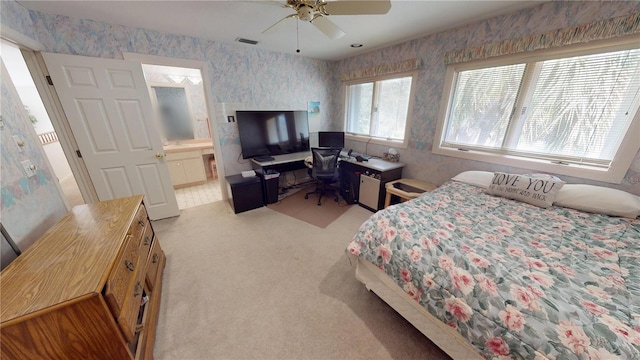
477,178
598,199
543,176
532,190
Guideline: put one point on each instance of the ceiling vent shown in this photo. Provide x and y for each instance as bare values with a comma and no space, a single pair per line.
246,41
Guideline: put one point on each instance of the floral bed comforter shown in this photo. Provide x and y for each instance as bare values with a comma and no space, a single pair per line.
516,280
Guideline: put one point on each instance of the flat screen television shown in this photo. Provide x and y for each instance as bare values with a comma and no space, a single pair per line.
270,133
331,139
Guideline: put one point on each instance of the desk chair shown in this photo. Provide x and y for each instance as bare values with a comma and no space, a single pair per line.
325,171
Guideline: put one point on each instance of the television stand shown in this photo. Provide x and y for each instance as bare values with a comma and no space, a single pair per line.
264,158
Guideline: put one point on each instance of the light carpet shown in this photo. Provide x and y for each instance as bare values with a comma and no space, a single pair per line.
262,285
307,210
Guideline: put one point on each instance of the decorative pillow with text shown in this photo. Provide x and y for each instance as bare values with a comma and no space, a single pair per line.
532,190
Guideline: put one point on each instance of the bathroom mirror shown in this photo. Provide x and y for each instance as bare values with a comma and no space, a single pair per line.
174,112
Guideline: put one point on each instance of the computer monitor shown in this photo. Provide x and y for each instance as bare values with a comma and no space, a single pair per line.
331,139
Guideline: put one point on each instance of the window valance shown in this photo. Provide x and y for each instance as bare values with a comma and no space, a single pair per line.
600,30
384,69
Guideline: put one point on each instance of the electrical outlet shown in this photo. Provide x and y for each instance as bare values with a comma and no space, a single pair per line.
29,168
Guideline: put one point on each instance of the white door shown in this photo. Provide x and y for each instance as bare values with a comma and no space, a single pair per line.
108,107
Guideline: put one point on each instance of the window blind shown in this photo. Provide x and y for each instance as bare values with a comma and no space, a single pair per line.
582,105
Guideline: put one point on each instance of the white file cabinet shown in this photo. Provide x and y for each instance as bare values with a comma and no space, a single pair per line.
369,191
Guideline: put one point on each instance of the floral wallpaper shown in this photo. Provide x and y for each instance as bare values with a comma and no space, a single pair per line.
29,205
431,49
240,76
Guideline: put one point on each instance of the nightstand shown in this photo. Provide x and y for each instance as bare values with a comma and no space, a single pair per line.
406,189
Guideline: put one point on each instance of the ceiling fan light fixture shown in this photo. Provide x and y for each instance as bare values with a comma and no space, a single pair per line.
355,46
317,12
305,13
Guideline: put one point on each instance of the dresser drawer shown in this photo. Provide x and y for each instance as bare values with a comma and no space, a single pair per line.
140,222
120,278
155,259
145,245
129,314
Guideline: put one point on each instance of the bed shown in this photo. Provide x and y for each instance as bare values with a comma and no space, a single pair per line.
485,276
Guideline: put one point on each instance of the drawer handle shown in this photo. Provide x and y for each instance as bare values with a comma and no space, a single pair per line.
147,240
141,223
138,289
154,258
129,265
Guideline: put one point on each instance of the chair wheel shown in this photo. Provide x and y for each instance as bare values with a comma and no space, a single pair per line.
319,203
306,196
336,199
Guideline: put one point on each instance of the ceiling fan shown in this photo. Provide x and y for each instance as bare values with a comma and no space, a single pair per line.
316,12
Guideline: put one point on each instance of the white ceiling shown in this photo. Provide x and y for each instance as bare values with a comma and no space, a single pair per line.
225,21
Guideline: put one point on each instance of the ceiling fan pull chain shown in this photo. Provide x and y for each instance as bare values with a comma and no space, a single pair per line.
297,38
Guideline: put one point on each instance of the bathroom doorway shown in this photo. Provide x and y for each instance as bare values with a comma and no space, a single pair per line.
178,97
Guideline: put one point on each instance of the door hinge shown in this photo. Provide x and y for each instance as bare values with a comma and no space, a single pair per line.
49,80
78,153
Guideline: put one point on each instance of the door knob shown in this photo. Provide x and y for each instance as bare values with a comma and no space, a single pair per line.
159,155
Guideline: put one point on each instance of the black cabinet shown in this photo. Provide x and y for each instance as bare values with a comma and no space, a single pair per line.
245,193
349,181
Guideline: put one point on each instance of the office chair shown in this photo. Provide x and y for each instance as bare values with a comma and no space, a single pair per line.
325,171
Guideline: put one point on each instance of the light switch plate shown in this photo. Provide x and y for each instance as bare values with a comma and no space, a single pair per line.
29,168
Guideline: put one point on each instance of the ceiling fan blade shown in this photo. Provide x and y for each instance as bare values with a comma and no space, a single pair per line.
358,7
275,26
327,27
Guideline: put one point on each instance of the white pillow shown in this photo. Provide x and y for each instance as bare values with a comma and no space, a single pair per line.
598,199
543,176
532,190
477,178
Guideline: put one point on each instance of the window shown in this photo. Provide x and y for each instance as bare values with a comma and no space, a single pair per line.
570,110
379,109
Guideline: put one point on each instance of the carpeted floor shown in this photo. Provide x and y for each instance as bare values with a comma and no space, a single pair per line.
263,285
308,210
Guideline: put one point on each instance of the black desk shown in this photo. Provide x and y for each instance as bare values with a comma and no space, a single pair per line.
375,174
364,182
281,163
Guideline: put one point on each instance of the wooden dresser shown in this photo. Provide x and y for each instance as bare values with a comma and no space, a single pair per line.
89,288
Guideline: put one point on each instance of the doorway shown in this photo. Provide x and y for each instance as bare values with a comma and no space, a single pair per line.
178,97
31,100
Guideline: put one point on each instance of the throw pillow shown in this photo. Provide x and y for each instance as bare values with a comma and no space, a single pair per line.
532,190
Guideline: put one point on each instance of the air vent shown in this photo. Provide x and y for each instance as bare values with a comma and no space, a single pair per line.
246,41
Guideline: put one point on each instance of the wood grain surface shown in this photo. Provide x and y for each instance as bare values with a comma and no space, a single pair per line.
71,260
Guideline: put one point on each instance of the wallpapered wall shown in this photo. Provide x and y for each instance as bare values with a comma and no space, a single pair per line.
242,77
29,205
422,163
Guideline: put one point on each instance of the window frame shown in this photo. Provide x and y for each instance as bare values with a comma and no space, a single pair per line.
369,139
622,159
